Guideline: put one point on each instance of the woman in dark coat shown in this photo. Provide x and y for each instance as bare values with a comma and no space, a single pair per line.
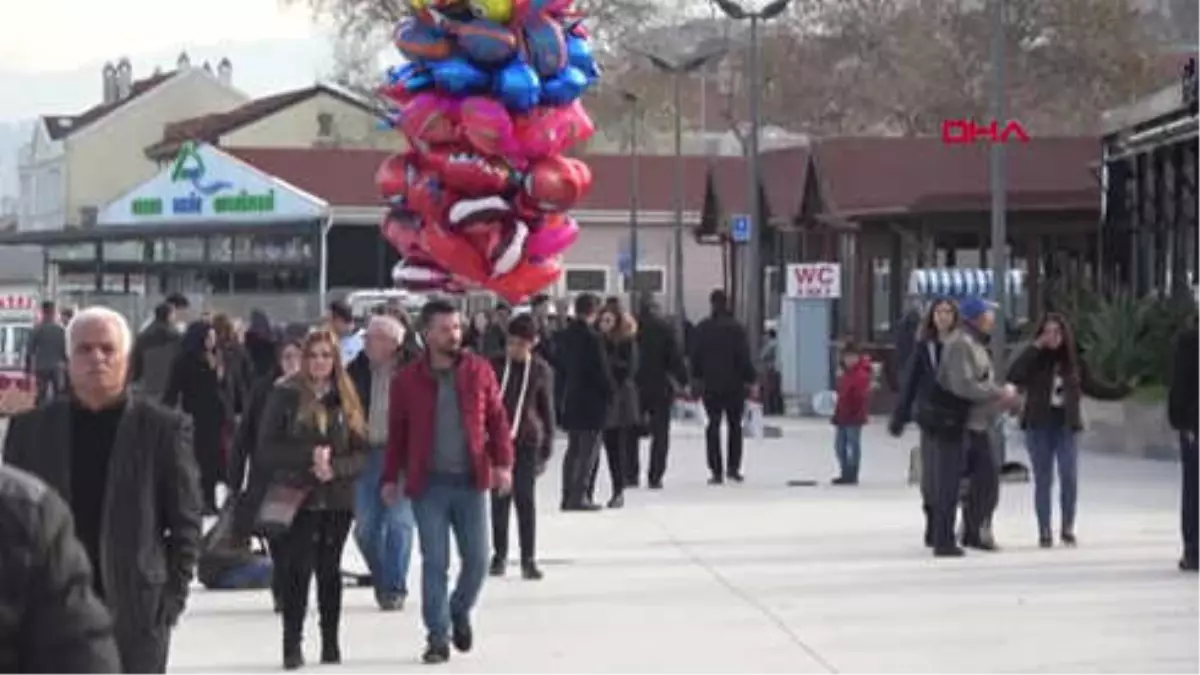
199,385
238,369
313,440
1054,379
619,330
261,347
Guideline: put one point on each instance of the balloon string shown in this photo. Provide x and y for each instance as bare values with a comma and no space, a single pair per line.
516,425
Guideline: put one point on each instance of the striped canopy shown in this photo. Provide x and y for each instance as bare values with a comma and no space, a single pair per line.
960,282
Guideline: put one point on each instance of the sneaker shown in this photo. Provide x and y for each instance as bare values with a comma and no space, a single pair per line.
496,569
617,502
331,654
461,635
948,552
655,485
1189,564
435,653
716,480
736,476
980,543
389,602
1068,539
1045,541
840,480
293,657
530,571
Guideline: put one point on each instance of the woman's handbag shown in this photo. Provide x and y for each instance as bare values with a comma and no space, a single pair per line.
279,508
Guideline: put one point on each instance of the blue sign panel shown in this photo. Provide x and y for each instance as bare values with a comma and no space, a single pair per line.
740,229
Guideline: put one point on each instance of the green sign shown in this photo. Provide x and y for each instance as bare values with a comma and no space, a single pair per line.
202,196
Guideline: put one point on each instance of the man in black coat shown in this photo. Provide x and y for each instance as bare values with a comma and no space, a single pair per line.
587,392
725,374
1183,409
50,619
662,371
125,466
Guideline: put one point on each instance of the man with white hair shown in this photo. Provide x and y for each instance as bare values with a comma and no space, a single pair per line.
125,466
384,533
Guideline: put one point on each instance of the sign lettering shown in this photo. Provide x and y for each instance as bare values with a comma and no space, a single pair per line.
204,197
963,131
814,281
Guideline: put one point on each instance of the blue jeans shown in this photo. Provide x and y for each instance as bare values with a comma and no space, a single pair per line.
384,533
847,443
1048,447
451,505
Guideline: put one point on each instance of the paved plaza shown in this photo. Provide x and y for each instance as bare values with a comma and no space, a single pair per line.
768,578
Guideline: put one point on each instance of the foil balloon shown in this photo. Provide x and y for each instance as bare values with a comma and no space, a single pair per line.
472,175
565,87
545,47
454,253
464,212
487,126
527,279
555,184
499,11
430,198
420,42
554,237
485,42
579,55
550,131
402,229
395,175
429,119
458,77
420,276
511,249
518,86
549,6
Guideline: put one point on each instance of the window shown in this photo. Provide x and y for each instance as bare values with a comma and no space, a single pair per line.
585,280
650,279
324,125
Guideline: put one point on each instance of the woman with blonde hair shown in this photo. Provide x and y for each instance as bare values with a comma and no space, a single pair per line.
619,331
313,440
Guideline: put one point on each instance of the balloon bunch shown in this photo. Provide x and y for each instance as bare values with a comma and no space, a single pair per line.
489,102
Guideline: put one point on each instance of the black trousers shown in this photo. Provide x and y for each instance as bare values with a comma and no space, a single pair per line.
313,543
143,651
658,421
943,457
523,497
583,453
619,444
1189,466
983,477
730,406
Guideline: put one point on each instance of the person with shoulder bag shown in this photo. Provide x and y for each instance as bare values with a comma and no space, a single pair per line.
313,441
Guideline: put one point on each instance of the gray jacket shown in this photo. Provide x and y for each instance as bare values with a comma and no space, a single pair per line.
966,371
47,350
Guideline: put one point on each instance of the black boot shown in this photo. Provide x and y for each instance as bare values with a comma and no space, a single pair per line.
293,655
331,652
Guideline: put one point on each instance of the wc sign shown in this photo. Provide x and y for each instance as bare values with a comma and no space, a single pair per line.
814,281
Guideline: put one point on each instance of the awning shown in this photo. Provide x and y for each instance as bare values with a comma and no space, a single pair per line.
959,282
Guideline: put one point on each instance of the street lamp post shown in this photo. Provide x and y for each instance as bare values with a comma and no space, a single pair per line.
754,276
998,181
634,197
678,70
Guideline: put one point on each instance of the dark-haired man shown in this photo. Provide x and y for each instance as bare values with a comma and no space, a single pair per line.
587,394
46,355
341,320
154,352
661,374
724,373
448,433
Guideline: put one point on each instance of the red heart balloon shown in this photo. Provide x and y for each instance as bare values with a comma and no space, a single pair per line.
470,174
556,183
454,253
526,280
484,236
430,198
395,176
403,231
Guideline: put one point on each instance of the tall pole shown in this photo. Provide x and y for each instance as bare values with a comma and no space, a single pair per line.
680,312
998,179
634,198
753,271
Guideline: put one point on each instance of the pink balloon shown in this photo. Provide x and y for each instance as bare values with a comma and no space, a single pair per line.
550,130
430,119
552,239
487,126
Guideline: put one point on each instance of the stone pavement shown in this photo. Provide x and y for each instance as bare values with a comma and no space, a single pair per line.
766,578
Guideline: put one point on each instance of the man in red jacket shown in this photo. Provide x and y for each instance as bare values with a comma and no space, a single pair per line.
850,415
448,434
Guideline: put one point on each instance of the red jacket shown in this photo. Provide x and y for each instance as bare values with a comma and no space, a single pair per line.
854,393
412,413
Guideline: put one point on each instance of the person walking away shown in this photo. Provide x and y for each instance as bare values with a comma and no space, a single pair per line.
248,473
475,335
661,373
495,337
261,346
967,372
527,389
154,353
941,417
620,437
448,433
199,385
313,439
1182,410
587,394
341,321
53,621
1054,379
46,354
384,532
124,465
234,359
850,414
724,374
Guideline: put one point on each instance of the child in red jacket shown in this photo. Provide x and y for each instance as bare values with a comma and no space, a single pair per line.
853,391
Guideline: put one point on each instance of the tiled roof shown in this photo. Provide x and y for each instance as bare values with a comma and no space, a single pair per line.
210,128
61,126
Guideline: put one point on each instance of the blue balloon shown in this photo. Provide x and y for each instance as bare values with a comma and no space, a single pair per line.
579,55
413,77
564,87
458,77
518,86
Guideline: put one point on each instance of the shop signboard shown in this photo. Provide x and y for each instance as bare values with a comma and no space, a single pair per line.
205,185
